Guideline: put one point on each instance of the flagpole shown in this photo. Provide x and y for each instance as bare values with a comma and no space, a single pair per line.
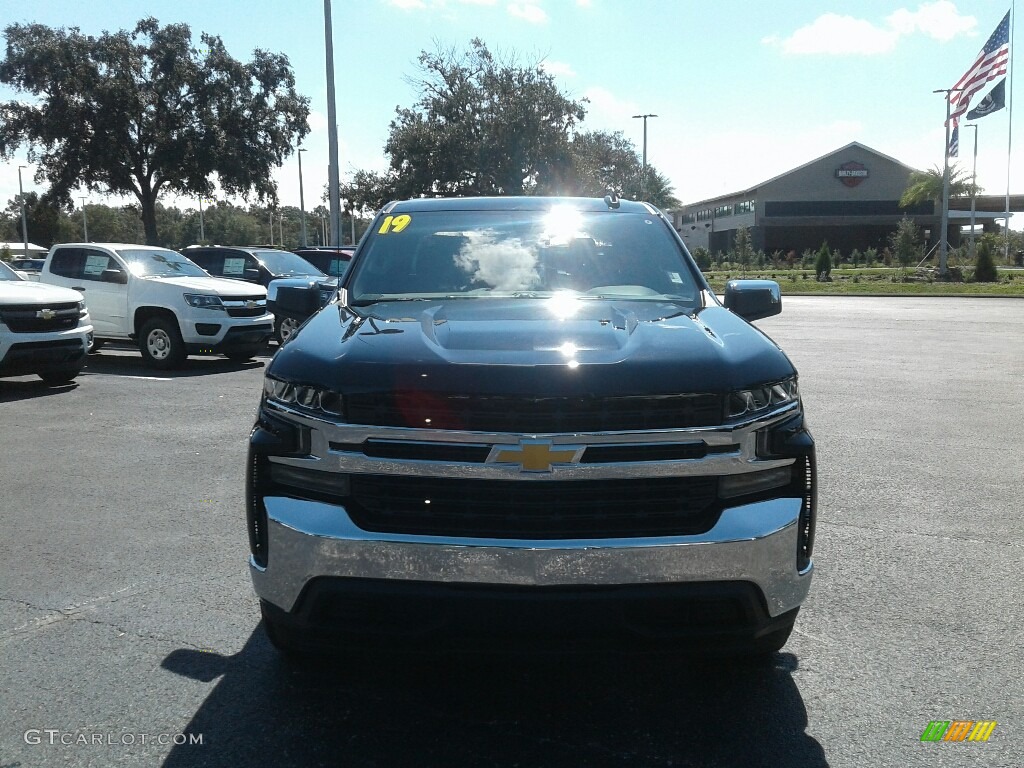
974,185
1009,136
943,245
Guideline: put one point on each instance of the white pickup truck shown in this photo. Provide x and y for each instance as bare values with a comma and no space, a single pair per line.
44,330
160,300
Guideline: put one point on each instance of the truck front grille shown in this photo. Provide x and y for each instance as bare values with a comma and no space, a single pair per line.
533,510
534,414
35,318
236,306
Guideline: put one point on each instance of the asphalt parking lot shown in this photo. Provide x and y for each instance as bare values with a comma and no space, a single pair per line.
128,623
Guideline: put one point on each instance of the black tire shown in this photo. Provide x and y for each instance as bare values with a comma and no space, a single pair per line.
96,346
243,354
284,327
62,376
160,343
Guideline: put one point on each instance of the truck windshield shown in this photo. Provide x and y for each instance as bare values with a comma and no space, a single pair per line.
285,263
153,263
522,254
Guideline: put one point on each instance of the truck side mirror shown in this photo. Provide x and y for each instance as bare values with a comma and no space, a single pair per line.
114,276
753,299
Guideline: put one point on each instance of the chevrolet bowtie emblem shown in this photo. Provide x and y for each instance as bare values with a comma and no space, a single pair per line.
535,455
46,314
250,304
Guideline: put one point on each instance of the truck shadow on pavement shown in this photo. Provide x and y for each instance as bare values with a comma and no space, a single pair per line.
131,365
460,710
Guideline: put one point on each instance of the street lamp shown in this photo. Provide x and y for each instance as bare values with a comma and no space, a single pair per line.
643,178
85,222
202,224
302,201
333,183
24,218
974,181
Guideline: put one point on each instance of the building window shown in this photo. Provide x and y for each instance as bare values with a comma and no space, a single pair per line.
723,210
747,206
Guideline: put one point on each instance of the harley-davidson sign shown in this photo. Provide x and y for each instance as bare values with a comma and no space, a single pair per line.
851,173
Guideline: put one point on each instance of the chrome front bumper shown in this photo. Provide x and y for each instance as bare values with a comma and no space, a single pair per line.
756,543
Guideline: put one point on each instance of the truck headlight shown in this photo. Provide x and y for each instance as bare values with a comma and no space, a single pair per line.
304,396
750,402
204,301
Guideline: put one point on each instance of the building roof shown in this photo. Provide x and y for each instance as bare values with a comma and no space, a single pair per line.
19,247
750,190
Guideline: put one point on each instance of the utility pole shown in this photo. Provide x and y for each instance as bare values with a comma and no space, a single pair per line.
302,200
202,224
24,218
643,177
333,185
85,222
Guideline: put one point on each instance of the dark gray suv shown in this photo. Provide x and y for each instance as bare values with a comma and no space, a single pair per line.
256,265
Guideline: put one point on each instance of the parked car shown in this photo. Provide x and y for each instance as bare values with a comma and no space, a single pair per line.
331,261
29,267
531,420
161,301
259,265
44,330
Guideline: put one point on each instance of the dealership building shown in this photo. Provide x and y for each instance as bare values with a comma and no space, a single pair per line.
849,198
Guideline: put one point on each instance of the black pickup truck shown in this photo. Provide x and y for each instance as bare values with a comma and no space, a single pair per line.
530,421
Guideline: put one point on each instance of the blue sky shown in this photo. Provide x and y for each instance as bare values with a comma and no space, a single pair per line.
743,91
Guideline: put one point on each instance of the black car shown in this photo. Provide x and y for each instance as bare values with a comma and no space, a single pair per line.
531,421
261,265
332,261
30,266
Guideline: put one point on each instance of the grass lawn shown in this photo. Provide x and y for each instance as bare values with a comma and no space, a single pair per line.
850,282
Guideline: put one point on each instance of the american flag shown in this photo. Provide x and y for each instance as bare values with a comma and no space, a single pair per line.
954,141
990,64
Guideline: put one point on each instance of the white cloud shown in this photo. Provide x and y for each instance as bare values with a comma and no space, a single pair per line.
583,3
939,20
838,35
558,68
407,5
606,111
529,12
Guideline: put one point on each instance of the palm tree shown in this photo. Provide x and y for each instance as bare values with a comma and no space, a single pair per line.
927,185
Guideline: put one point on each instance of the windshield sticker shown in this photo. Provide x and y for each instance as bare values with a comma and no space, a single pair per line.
394,224
234,266
95,264
675,277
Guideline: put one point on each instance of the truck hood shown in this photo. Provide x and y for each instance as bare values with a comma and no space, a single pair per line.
214,285
530,347
25,292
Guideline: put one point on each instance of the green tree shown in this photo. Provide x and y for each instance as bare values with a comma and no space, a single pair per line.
41,215
823,264
483,126
985,266
744,250
927,185
905,243
146,112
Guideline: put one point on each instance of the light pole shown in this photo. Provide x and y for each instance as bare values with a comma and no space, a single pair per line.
944,225
85,222
202,224
302,200
24,218
974,180
643,177
333,185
